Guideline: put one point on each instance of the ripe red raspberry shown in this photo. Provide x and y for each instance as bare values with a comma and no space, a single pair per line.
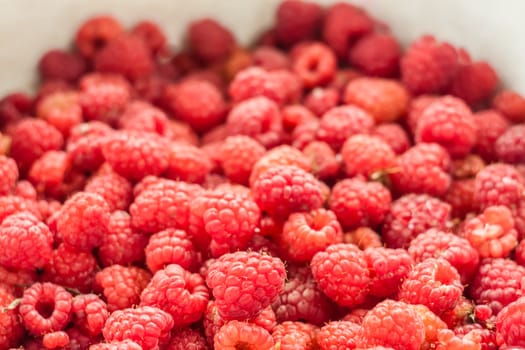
488,336
411,215
428,66
180,293
295,335
376,54
236,334
497,283
152,35
305,234
321,100
89,313
198,103
423,169
359,203
30,139
510,147
61,65
84,145
14,106
315,64
147,326
10,205
83,221
519,254
386,100
339,123
121,285
367,155
509,321
45,307
209,41
259,118
187,339
116,345
338,335
492,232
267,57
281,155
170,246
95,33
11,330
416,108
490,126
187,163
297,114
71,268
244,283
62,110
48,173
55,340
324,162
122,244
238,155
297,21
343,25
27,242
363,237
511,104
394,135
449,122
8,175
392,323
282,190
433,325
474,82
499,184
25,189
255,81
116,190
342,274
456,250
142,116
388,268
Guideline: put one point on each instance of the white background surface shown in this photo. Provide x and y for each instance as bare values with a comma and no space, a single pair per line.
490,29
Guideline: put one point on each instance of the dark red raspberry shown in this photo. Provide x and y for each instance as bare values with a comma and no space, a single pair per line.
152,35
456,250
342,274
84,145
147,326
428,66
62,110
324,162
367,155
244,283
281,155
180,293
11,330
10,205
117,345
315,64
338,335
30,139
55,340
343,25
497,283
388,268
297,21
187,163
238,155
14,106
282,190
394,135
8,175
61,65
95,33
187,339
449,122
116,190
170,246
508,324
490,126
474,82
27,242
511,104
70,268
499,184
339,123
519,254
89,313
209,41
423,169
255,81
321,100
122,244
357,203
411,215
83,220
45,307
121,285
377,54
295,335
510,147
236,334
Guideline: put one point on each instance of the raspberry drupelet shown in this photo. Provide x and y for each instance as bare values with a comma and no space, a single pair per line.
170,246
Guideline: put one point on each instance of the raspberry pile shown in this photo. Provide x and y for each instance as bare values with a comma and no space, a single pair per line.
326,188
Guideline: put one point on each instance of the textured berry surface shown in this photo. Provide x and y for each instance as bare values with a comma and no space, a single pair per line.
366,155
508,323
511,104
236,334
338,334
377,54
388,268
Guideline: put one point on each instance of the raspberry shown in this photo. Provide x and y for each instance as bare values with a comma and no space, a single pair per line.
508,323
238,335
255,81
62,110
423,169
49,172
170,246
162,205
428,66
411,215
314,64
416,108
342,274
392,323
89,313
474,82
305,234
388,268
117,345
509,146
449,122
30,139
13,107
121,285
394,135
209,41
61,65
511,104
182,132
267,57
95,33
152,35
11,330
296,115
324,163
282,190
433,325
84,145
55,340
10,205
187,163
297,21
488,337
45,308
447,339
363,237
338,335
498,184
366,155
83,221
258,118
24,189
376,54
8,175
70,268
180,293
187,339
358,203
115,190
295,335
238,155
468,167
343,25
244,283
305,134
142,116
147,326
456,250
339,123
386,100
490,126
321,100
281,155
497,283
26,242
198,103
